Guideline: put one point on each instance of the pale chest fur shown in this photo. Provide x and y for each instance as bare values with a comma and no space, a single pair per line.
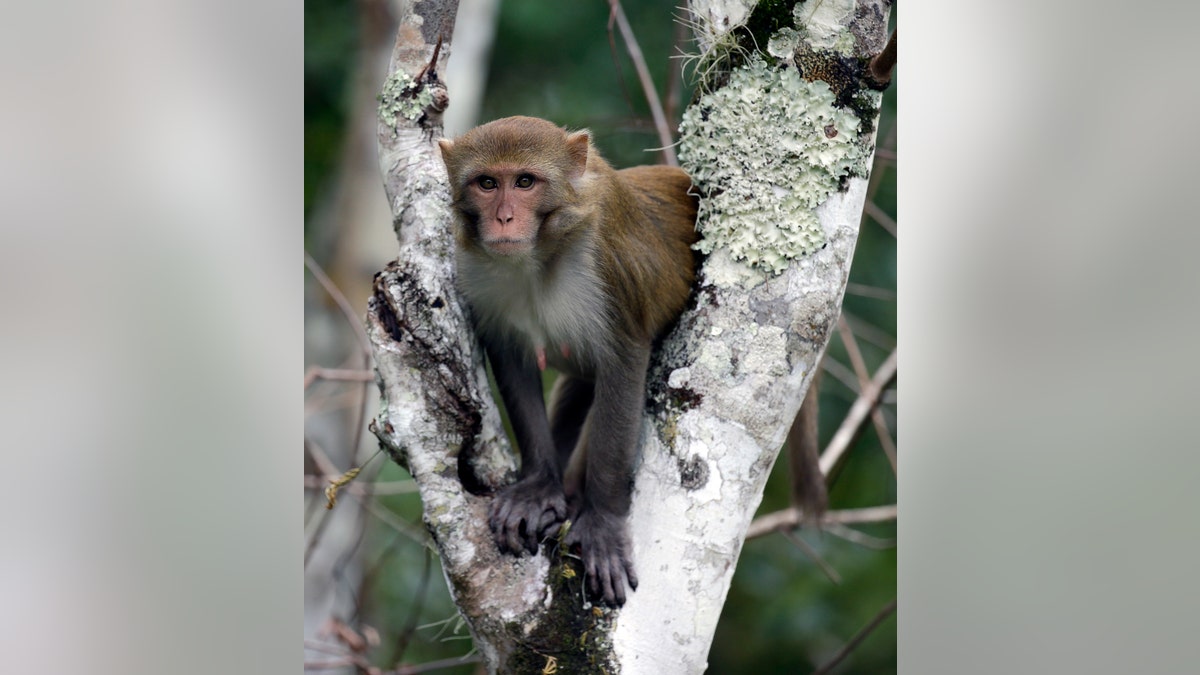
559,312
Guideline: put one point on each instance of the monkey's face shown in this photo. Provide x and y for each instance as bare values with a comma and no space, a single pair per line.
506,204
509,178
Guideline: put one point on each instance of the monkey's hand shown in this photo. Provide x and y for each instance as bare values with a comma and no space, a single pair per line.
527,511
606,554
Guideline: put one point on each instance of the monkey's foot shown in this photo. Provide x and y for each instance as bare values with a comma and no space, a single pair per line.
525,512
606,554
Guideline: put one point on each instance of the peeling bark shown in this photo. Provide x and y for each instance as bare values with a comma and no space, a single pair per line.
723,390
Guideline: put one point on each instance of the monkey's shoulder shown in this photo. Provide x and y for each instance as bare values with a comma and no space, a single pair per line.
655,177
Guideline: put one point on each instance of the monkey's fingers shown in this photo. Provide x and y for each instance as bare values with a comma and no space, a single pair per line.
629,573
589,573
498,516
612,582
506,525
547,525
513,539
530,535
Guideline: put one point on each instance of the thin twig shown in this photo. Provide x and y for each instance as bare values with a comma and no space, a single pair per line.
360,332
812,555
331,665
861,635
883,62
437,665
860,369
355,323
413,532
880,216
675,78
861,538
415,613
416,669
791,518
320,457
859,411
881,150
639,64
393,487
867,291
339,399
371,573
340,299
869,332
612,52
840,372
326,466
345,374
348,554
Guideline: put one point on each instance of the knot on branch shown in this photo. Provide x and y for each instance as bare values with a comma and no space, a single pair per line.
408,315
421,99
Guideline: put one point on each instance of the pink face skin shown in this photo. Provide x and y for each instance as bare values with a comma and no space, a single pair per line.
508,200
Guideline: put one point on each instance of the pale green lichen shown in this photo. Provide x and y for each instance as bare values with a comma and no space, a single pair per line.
765,151
825,23
783,43
401,97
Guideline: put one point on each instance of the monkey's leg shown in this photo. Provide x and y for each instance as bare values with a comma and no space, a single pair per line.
524,512
804,458
570,401
609,443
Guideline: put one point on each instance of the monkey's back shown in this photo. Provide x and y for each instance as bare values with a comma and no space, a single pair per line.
651,247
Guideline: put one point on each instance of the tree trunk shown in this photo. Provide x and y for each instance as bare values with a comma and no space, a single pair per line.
781,160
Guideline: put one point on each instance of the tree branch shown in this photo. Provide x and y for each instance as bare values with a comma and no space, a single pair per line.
665,137
722,389
791,518
860,410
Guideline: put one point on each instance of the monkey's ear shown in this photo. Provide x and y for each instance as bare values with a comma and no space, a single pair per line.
577,150
447,146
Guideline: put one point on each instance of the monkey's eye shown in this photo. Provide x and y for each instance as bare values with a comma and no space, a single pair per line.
525,181
487,183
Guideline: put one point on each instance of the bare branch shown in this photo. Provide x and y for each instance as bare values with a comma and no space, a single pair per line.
865,291
360,332
861,635
396,487
883,63
855,537
665,137
414,613
315,373
343,304
812,555
880,216
791,518
867,400
860,369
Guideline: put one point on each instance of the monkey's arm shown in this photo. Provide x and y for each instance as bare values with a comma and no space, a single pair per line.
524,512
610,441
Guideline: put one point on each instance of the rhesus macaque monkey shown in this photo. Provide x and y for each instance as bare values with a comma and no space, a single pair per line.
566,262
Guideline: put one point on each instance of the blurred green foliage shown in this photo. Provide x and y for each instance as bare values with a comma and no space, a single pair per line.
330,48
553,60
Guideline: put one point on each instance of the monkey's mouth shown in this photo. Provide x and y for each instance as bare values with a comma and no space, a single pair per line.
508,246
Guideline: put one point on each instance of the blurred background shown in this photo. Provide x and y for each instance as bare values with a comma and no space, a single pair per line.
371,588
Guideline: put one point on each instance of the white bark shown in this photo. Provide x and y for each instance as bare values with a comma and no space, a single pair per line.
725,387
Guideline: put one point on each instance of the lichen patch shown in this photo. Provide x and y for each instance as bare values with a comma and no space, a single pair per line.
765,151
402,97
